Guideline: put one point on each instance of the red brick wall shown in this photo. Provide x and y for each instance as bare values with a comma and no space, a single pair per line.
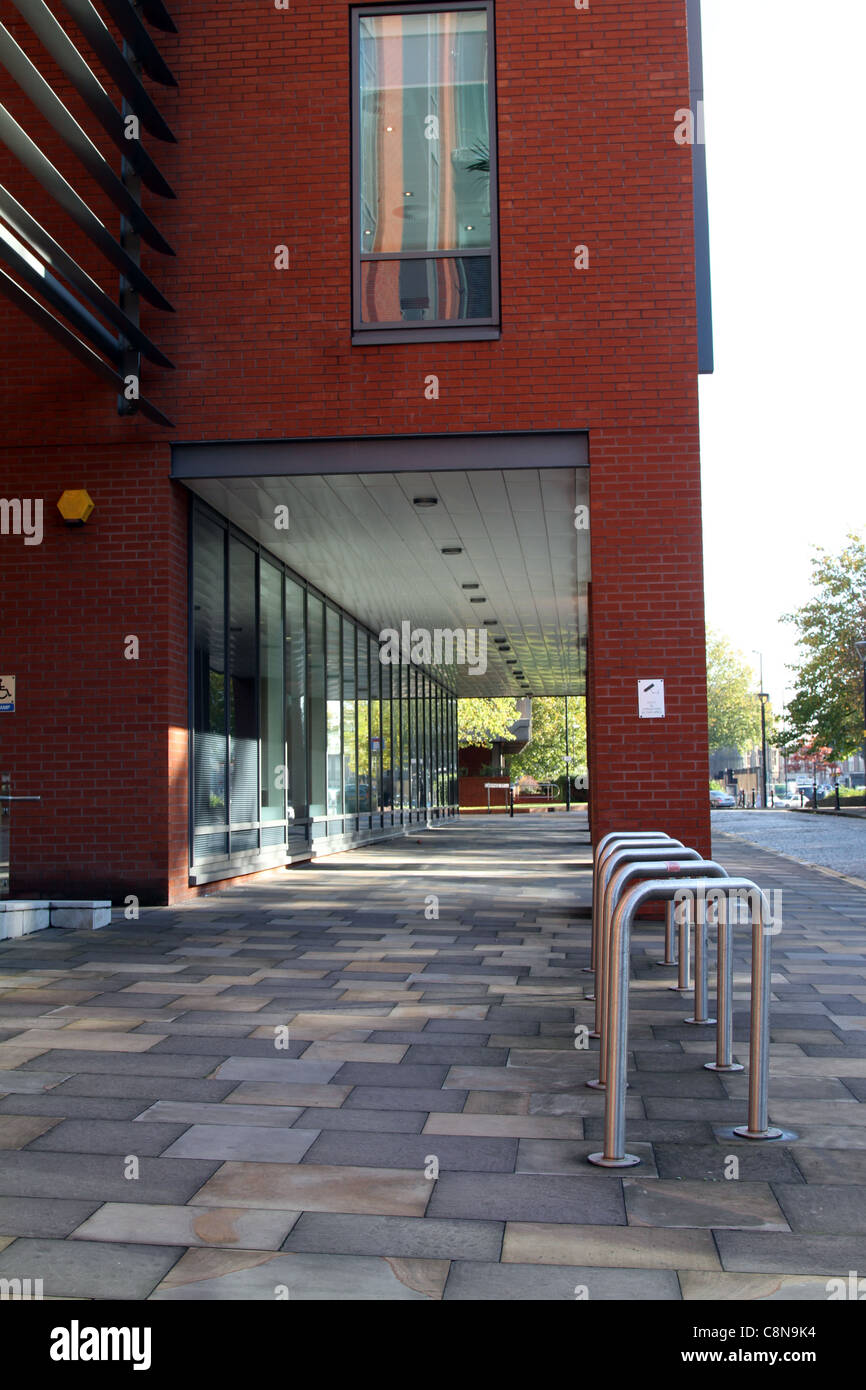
587,155
101,738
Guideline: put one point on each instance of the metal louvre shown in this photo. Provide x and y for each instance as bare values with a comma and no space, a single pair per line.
41,278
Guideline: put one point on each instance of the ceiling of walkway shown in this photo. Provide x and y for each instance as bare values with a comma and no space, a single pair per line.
364,540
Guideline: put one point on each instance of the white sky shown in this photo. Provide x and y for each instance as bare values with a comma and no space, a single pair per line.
783,416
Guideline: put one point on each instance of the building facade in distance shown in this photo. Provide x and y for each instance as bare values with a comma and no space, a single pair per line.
396,402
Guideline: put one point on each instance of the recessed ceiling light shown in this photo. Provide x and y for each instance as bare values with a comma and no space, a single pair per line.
469,227
425,501
389,127
452,550
470,586
407,195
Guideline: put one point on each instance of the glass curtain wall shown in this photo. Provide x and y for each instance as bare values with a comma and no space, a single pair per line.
298,731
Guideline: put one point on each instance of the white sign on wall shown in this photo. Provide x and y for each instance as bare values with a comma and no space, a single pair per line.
651,699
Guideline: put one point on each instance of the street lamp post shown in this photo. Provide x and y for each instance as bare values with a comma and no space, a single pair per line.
860,648
567,763
763,697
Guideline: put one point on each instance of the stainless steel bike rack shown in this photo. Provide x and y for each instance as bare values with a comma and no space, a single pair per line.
724,994
615,856
758,1127
602,849
635,866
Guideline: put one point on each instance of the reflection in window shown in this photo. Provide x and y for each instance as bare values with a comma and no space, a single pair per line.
415,291
387,773
369,736
295,701
405,752
243,721
316,709
424,145
334,747
350,759
271,698
412,711
209,690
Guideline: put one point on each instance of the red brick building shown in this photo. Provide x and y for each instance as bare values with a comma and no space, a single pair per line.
440,302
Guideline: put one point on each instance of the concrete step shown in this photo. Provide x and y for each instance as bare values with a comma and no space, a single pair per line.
21,917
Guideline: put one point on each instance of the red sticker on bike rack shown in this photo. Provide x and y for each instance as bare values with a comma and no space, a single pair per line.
673,868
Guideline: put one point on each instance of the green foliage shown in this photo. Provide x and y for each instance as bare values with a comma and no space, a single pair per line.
544,756
827,708
481,722
733,709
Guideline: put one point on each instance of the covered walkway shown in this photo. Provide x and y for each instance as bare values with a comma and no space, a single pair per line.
161,1136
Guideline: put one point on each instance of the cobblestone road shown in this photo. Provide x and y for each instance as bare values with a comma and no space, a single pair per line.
830,841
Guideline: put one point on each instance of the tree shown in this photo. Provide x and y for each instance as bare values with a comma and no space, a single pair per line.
544,756
809,757
734,712
482,722
827,707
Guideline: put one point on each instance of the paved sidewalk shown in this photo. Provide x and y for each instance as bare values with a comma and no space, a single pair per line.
158,1140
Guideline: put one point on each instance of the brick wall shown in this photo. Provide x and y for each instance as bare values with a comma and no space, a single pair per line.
586,105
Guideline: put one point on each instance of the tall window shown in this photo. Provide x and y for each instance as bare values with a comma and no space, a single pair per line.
334,750
243,715
350,723
296,706
209,783
317,722
425,172
272,714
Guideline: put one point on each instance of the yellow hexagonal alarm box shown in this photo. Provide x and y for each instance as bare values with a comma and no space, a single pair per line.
75,506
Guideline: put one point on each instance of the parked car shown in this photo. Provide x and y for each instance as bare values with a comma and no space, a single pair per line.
720,800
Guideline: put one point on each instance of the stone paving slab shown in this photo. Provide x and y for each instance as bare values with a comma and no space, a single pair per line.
223,1274
108,1137
248,1144
140,1224
428,1238
629,1247
182,1113
472,1281
58,1107
717,1206
106,1269
24,1173
830,1255
43,1216
304,1167
317,1187
454,1153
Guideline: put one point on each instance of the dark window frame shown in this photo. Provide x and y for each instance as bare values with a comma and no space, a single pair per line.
430,330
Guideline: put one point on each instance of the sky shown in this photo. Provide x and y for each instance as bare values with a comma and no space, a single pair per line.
782,416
